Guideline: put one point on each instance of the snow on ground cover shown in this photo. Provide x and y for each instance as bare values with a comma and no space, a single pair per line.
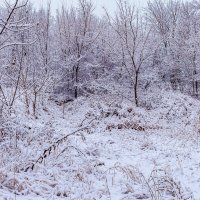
121,155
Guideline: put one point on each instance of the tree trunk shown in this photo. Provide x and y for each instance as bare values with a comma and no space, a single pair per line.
35,104
136,88
76,82
195,82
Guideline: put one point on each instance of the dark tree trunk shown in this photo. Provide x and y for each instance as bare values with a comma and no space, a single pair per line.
76,71
136,88
195,82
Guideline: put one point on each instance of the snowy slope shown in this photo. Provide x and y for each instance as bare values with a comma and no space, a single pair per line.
122,152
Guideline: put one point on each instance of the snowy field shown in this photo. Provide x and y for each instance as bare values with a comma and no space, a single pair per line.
100,107
113,151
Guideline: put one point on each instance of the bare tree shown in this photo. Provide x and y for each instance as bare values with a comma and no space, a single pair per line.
133,33
12,24
75,28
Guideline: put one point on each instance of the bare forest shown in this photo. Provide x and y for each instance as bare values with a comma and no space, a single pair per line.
100,108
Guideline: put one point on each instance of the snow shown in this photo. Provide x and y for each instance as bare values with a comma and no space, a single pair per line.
125,152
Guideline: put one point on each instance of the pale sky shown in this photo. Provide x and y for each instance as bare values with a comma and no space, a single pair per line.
110,5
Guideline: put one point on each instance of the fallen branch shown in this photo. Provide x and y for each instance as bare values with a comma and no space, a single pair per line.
52,148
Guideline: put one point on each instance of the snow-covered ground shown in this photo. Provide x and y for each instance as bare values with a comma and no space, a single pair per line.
120,152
